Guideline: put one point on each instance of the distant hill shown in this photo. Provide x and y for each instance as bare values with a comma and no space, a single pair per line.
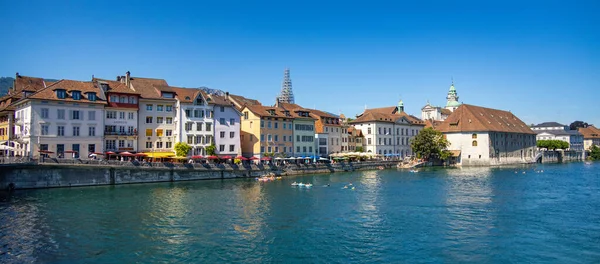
212,91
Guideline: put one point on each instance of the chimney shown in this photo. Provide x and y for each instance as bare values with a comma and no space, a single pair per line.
127,80
118,78
226,95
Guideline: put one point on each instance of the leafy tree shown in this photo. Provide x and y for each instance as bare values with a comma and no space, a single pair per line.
577,124
552,144
182,149
360,149
211,150
269,154
430,143
594,153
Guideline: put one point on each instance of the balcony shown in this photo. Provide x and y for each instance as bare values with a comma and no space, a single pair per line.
114,133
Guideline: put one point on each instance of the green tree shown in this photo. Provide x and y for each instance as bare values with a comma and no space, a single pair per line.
595,152
552,144
359,149
211,150
182,149
430,143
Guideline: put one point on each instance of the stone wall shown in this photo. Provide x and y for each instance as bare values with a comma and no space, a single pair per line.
559,156
33,176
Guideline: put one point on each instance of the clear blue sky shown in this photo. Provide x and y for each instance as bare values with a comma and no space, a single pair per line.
539,59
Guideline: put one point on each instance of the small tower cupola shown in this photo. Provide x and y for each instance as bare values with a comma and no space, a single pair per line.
452,98
400,107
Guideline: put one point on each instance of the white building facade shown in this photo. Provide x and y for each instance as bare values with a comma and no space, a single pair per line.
195,120
429,112
121,117
65,118
556,131
227,127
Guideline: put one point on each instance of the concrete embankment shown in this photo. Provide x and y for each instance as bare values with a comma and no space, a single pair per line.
33,176
560,156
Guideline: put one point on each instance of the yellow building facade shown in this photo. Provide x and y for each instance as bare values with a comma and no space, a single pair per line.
266,130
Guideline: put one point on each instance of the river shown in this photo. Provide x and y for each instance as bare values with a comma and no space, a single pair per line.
534,214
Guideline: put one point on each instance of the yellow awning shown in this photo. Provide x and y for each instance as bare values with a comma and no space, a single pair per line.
181,158
159,154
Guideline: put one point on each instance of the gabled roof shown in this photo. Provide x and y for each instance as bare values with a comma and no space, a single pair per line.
471,118
432,123
590,132
241,101
147,87
549,124
31,84
114,86
385,114
263,111
70,86
186,95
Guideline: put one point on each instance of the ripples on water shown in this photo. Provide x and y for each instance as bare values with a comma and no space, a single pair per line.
480,215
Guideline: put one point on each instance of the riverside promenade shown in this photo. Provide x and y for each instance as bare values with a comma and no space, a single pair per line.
24,174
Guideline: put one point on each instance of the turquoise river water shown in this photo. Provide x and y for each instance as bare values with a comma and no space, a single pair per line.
469,215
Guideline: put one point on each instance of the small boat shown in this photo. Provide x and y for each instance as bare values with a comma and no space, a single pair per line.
588,163
414,171
300,184
278,178
308,185
381,167
295,184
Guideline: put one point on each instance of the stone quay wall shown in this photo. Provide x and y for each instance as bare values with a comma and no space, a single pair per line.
559,156
34,176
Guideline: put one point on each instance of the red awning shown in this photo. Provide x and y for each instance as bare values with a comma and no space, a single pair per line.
98,153
253,158
241,158
140,155
212,157
46,152
70,151
197,157
226,157
109,153
265,158
125,153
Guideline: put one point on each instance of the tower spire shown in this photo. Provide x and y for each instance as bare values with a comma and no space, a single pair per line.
452,98
287,95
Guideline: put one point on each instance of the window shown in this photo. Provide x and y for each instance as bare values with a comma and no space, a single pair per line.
221,148
262,149
208,126
60,113
474,136
129,116
188,112
169,120
92,131
262,123
309,149
121,143
297,137
269,137
222,134
474,144
111,114
148,107
276,149
159,132
222,121
369,130
169,132
246,115
122,130
159,120
169,144
232,121
148,132
276,137
262,137
231,148
91,115
148,144
75,131
44,112
132,99
76,95
75,114
298,149
231,134
368,141
169,108
188,126
91,148
276,125
222,109
61,94
130,130
44,130
159,144
148,120
159,108
60,131
123,99
269,149
284,125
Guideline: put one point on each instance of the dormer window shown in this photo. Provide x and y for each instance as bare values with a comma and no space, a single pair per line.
61,93
76,95
167,95
199,101
91,96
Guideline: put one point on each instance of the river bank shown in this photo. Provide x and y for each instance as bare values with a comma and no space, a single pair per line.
36,176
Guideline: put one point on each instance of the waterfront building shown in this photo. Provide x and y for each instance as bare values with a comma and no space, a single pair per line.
120,117
591,136
227,125
157,115
22,86
65,118
303,127
266,129
195,122
345,144
322,140
355,139
556,131
330,124
482,136
388,130
437,113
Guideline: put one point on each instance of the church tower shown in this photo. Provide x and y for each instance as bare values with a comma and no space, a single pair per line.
452,98
400,107
287,95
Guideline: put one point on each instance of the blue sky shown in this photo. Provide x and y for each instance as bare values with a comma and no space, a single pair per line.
538,59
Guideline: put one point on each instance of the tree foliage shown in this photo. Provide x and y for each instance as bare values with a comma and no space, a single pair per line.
552,144
359,149
211,150
594,153
430,143
577,124
182,149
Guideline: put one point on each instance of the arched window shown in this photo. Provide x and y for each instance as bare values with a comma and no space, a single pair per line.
474,144
474,136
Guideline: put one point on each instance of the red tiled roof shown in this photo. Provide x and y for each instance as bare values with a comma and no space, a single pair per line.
241,101
147,87
590,132
70,86
470,118
386,114
115,86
